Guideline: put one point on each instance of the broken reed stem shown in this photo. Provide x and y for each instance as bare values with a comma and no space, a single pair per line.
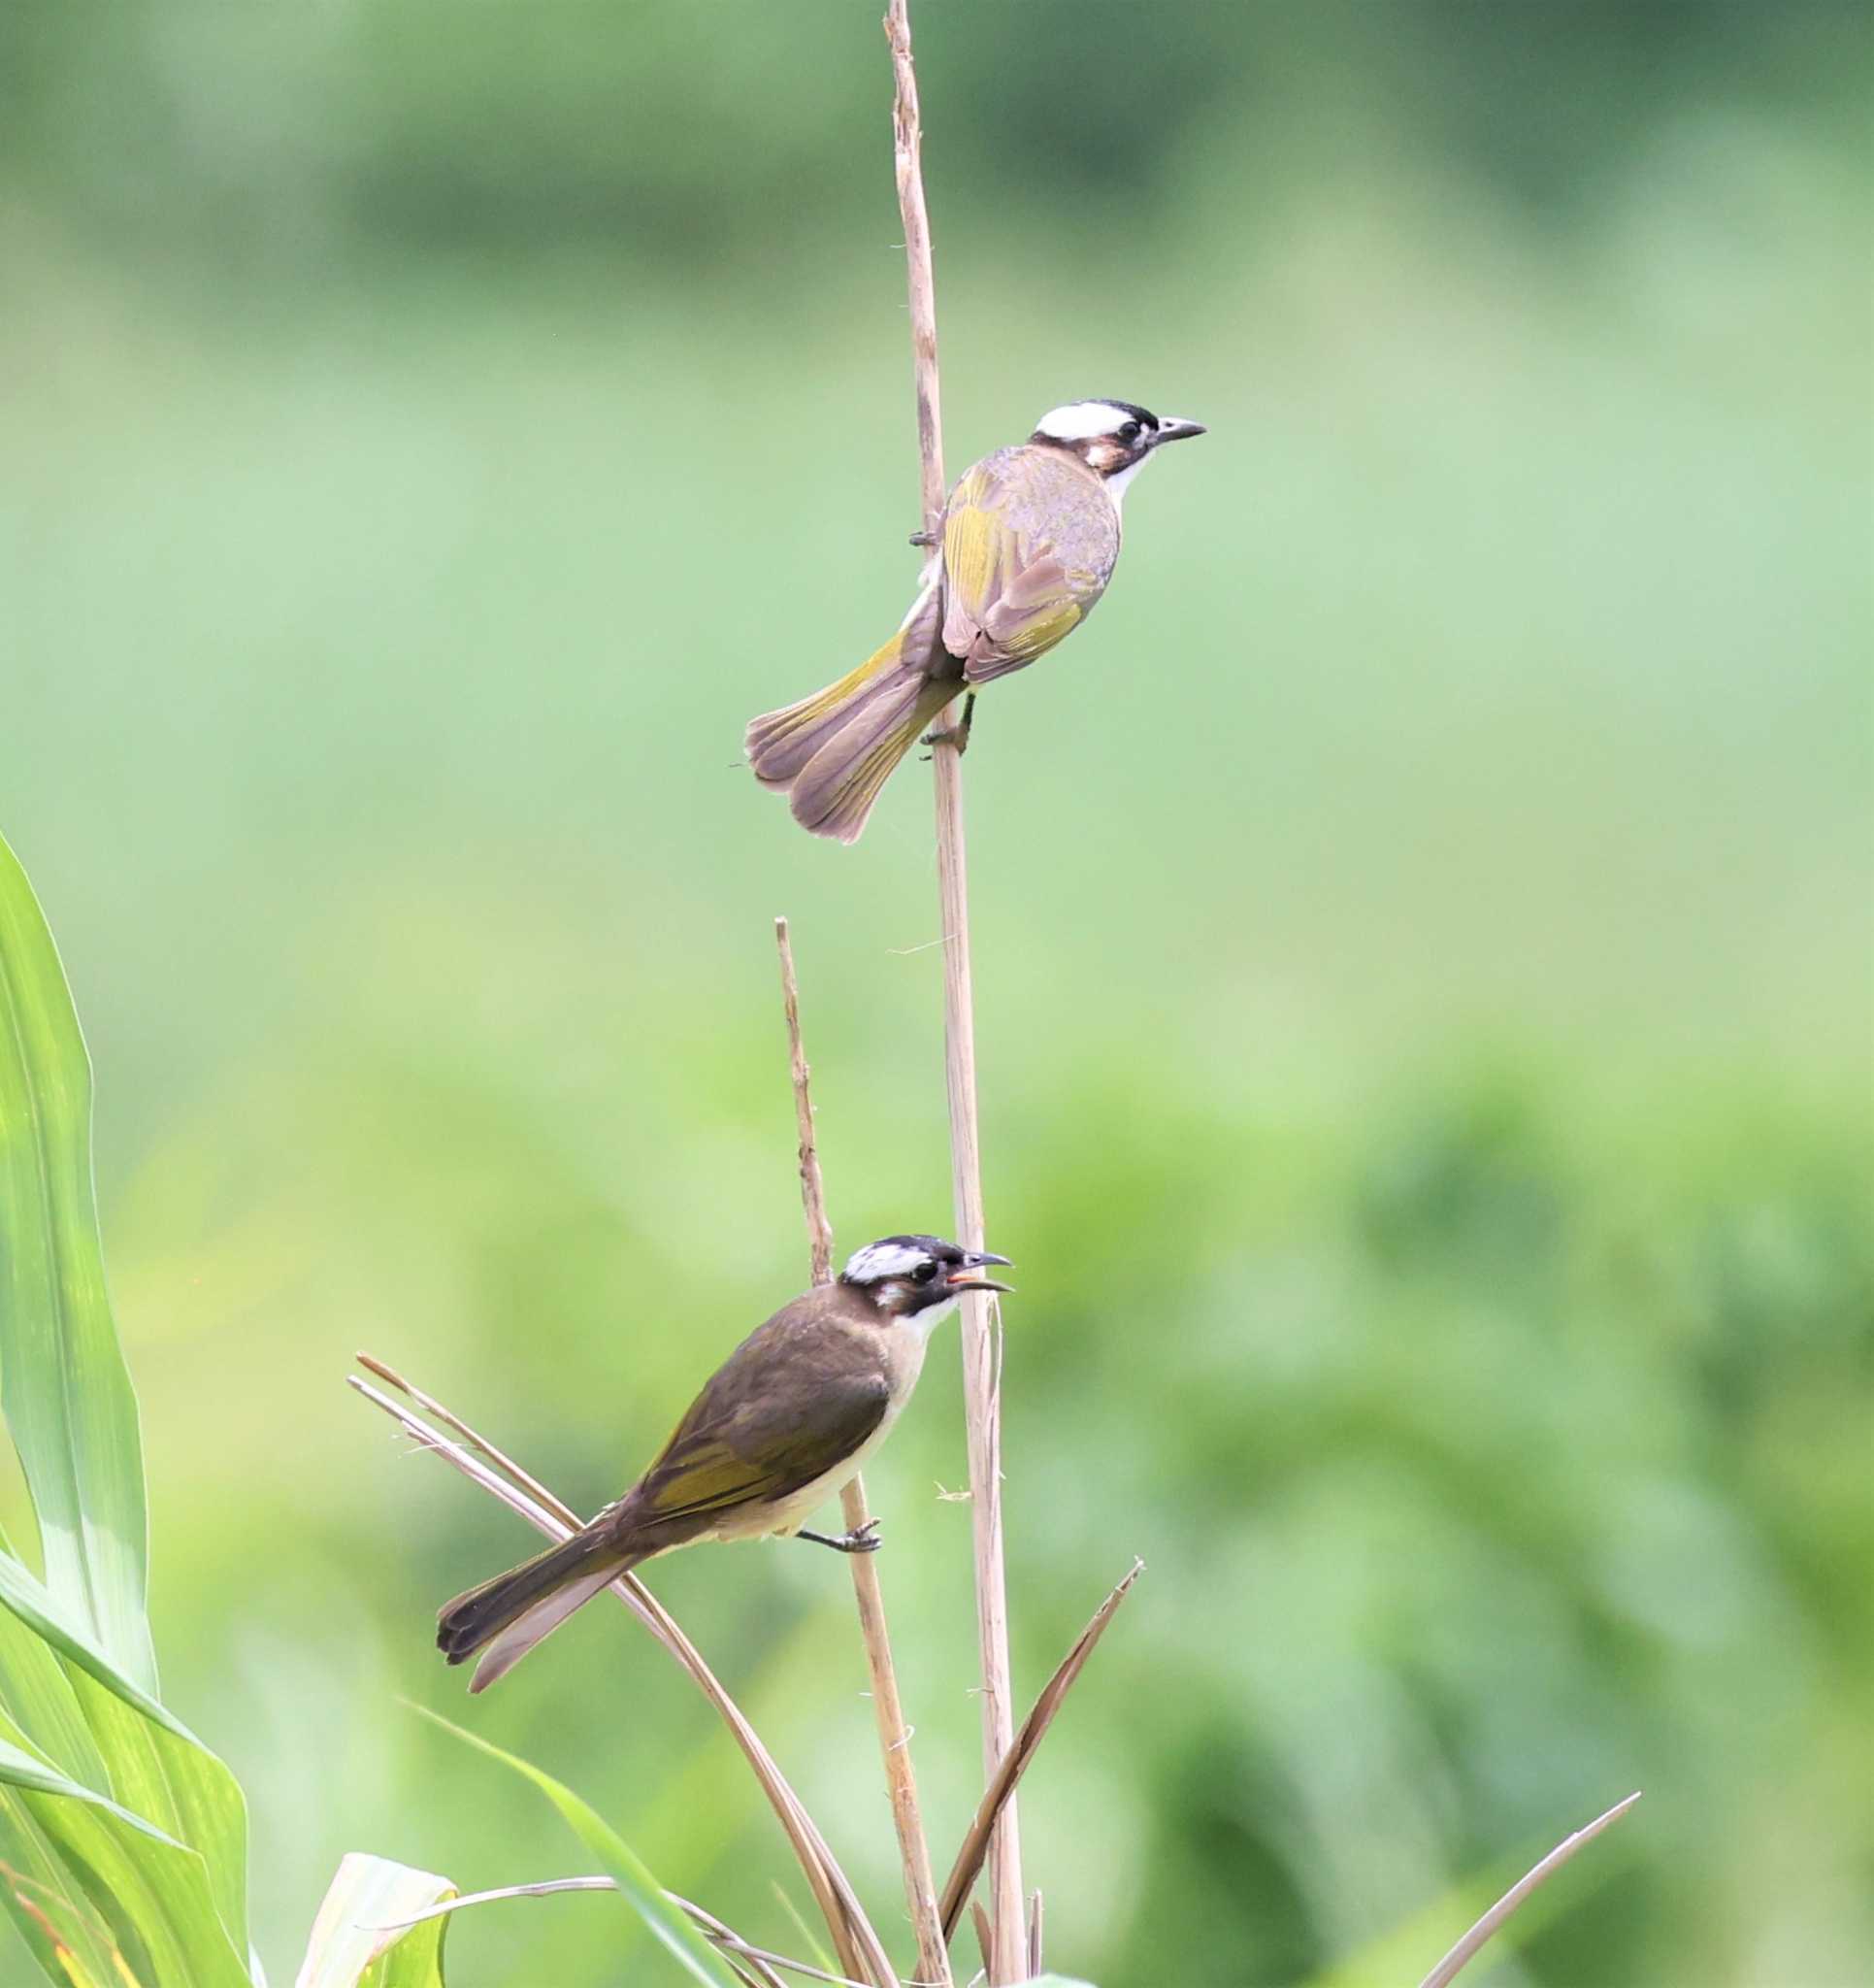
981,1321
1014,1765
893,1735
1447,1968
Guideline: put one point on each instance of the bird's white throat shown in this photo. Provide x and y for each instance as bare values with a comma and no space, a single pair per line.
924,1323
1117,481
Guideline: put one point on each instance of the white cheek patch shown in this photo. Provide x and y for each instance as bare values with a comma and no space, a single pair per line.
883,1260
1080,420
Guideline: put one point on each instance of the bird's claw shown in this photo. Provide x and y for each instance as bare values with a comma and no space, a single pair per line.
861,1539
957,734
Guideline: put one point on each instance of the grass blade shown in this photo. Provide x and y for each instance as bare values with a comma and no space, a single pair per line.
667,1925
64,1387
1447,1968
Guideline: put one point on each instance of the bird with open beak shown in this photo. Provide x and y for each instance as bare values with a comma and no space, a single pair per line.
786,1422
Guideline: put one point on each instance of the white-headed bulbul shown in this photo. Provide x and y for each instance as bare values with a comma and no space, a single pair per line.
1028,544
788,1419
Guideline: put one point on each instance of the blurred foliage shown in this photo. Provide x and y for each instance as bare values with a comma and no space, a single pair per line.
1422,923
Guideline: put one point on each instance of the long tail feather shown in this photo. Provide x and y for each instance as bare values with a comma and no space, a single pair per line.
781,742
836,748
539,1621
834,792
579,1566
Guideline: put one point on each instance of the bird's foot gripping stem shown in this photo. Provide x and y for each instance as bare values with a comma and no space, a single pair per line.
958,733
862,1539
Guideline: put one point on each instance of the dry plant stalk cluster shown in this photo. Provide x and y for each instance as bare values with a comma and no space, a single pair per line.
1009,1937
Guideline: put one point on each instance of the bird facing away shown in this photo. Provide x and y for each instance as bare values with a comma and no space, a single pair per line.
1029,541
787,1421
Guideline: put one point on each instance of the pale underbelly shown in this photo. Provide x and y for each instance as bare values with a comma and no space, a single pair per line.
791,1514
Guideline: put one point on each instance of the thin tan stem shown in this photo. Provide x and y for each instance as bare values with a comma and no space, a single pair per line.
1014,1764
502,1462
713,1930
982,1322
907,138
893,1735
855,1942
813,1189
1447,1968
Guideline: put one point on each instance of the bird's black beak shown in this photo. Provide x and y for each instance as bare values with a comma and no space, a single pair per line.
966,1278
1171,429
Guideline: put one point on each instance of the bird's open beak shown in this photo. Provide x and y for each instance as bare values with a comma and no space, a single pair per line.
1171,429
966,1279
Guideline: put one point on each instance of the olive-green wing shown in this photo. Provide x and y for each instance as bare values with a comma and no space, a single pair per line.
791,1403
1009,596
982,546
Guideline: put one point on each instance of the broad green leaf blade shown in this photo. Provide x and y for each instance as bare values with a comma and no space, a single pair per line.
187,1792
151,1891
357,1940
36,1694
155,1765
46,1902
642,1891
63,1383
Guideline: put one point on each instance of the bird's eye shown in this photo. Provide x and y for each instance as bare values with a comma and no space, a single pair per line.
924,1272
1130,432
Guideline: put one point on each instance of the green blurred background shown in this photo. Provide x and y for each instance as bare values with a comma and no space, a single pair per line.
1423,925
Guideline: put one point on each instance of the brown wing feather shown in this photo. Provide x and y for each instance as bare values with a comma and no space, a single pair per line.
794,1398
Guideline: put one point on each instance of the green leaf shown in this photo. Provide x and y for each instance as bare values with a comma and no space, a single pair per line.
151,1891
46,1902
357,1940
635,1885
63,1383
77,1675
171,1779
154,1763
36,1694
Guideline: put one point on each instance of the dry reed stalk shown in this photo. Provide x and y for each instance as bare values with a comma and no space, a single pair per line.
1447,1968
893,1735
758,1958
981,1321
855,1940
1014,1764
980,1919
